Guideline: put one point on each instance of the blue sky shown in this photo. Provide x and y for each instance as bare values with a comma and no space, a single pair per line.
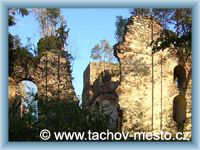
87,28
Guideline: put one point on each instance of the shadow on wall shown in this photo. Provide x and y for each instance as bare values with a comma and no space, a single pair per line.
141,68
105,99
179,102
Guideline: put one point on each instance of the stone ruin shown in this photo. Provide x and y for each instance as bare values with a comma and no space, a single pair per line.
100,83
50,74
144,92
138,92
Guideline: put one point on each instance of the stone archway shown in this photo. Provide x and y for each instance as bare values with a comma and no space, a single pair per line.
27,91
49,72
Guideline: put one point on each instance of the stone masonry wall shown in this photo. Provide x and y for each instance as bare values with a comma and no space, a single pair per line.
91,76
100,82
145,90
49,73
140,84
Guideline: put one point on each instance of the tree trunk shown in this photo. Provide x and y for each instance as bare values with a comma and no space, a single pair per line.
59,76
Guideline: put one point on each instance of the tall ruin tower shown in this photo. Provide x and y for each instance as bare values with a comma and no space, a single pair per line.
100,82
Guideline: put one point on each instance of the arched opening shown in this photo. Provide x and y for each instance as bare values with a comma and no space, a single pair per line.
179,112
179,76
106,103
27,94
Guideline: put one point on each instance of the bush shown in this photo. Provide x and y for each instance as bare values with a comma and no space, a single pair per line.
56,115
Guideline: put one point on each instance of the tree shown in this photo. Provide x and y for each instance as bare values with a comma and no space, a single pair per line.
47,19
176,37
53,17
120,27
121,22
14,45
176,27
140,11
178,40
12,12
55,116
57,40
176,33
16,53
102,52
61,38
62,34
47,44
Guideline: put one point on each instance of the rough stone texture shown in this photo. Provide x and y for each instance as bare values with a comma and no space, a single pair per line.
100,83
145,84
92,76
11,89
135,89
49,73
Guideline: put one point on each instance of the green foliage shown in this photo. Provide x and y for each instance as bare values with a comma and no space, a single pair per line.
102,51
53,12
68,116
181,37
54,42
16,53
51,43
120,27
168,38
163,16
53,15
13,11
141,11
95,53
177,29
56,115
62,34
11,21
12,51
47,43
48,18
20,129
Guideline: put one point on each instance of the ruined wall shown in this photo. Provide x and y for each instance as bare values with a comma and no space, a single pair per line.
100,82
92,80
145,88
146,83
50,74
11,89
